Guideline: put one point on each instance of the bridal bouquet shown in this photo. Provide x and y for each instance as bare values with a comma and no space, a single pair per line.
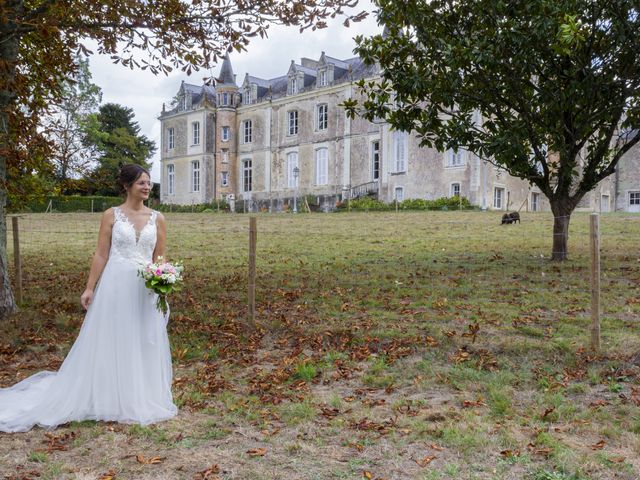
162,278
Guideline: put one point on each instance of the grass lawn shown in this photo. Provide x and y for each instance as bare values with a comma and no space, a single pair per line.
411,345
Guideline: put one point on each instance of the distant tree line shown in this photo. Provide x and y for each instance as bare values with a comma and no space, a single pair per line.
88,143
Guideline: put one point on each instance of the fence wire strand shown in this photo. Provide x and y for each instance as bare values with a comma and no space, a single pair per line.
424,256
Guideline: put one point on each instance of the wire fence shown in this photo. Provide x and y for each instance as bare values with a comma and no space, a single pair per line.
441,260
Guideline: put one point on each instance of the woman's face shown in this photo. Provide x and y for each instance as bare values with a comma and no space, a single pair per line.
141,188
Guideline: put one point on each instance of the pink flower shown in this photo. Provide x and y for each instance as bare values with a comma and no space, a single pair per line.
158,272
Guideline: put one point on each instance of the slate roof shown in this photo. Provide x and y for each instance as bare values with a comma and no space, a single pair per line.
226,73
279,85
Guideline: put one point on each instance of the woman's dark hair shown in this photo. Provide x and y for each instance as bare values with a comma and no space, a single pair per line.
129,173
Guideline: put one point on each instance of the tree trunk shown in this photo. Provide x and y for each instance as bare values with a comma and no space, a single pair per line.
9,45
561,217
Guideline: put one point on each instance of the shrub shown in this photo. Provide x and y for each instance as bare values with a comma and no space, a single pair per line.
364,204
72,203
371,204
212,207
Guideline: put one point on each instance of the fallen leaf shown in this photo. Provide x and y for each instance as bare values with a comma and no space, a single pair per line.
257,452
426,460
357,446
367,474
150,460
208,474
599,446
471,403
510,453
110,475
547,412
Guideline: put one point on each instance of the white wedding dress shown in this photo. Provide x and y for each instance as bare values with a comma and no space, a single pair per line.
119,368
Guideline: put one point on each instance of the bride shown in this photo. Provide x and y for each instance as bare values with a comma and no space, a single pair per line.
119,368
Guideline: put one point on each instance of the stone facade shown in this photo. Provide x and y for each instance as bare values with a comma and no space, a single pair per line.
625,188
270,140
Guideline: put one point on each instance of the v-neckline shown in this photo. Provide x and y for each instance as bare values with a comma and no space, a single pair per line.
136,233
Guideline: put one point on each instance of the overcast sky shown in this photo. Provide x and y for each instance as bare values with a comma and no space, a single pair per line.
265,58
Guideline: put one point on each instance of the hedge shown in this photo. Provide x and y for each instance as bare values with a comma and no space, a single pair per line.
215,206
371,204
71,203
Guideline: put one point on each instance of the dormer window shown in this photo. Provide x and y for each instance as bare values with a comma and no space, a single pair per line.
293,85
247,96
322,78
184,102
224,99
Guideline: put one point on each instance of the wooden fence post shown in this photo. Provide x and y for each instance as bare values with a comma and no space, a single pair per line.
595,281
253,234
16,259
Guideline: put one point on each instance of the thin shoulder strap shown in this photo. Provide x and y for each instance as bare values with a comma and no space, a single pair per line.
117,214
154,215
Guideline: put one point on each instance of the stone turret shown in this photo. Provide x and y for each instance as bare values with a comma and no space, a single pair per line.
227,101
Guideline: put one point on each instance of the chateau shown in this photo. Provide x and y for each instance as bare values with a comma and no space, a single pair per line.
266,141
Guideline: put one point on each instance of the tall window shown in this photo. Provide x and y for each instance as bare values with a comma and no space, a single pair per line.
247,131
400,151
375,160
224,180
226,134
455,158
535,201
247,176
293,122
195,176
224,99
322,116
322,166
455,189
171,181
247,96
225,155
170,138
322,78
398,194
196,133
292,163
498,198
293,85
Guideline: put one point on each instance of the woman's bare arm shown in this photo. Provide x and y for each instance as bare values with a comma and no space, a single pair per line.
161,238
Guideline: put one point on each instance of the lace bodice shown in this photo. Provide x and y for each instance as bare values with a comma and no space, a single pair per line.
127,243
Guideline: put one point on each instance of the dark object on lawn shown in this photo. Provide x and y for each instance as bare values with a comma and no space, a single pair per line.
509,218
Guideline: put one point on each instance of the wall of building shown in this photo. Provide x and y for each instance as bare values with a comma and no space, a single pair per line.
427,173
627,180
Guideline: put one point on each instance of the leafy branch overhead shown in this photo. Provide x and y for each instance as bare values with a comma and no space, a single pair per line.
549,91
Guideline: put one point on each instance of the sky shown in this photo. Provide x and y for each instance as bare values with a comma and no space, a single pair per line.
265,58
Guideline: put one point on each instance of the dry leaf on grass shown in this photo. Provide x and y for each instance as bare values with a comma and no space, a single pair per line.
257,452
547,411
208,474
510,453
150,460
426,460
110,475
